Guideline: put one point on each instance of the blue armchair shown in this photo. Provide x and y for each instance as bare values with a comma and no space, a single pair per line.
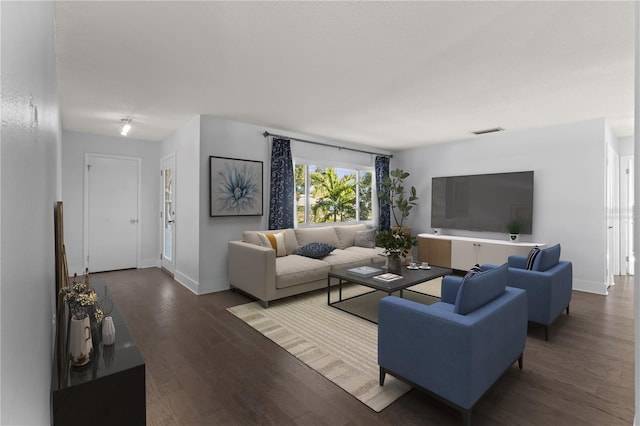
548,284
457,348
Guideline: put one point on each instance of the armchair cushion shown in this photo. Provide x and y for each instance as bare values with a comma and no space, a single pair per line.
480,289
449,288
531,257
547,258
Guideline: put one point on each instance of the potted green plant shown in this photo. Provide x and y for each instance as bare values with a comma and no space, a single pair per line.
397,241
514,227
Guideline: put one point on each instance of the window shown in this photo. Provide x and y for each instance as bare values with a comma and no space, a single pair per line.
333,194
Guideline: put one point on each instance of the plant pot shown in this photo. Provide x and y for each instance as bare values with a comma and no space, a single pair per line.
394,264
514,238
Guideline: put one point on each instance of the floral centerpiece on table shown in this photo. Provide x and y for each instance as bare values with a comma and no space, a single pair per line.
83,301
397,241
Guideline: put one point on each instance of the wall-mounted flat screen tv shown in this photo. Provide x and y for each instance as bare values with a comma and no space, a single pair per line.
487,202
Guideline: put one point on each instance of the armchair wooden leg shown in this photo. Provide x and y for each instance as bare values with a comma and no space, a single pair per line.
567,309
382,376
546,333
466,417
520,361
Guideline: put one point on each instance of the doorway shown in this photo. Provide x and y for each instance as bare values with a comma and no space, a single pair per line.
112,202
168,213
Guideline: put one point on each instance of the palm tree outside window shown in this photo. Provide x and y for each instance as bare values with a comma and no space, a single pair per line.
327,194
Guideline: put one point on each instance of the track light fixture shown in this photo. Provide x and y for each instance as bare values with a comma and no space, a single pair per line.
126,126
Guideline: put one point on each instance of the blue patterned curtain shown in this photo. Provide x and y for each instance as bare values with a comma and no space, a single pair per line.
282,185
384,212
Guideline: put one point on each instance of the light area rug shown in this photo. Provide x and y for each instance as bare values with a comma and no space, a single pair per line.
340,346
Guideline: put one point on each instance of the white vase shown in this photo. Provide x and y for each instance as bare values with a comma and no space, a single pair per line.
108,331
80,344
514,238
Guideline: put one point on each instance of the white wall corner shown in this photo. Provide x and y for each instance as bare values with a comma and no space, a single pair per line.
149,263
213,286
596,287
186,281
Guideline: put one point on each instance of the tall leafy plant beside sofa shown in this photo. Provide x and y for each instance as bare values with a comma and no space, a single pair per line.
396,241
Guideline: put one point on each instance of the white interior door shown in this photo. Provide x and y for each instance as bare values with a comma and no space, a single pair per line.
168,213
112,188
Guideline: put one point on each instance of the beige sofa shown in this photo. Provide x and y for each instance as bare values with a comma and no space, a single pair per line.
255,269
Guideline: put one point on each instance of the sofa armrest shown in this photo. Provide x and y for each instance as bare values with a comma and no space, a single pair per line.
252,269
449,288
455,356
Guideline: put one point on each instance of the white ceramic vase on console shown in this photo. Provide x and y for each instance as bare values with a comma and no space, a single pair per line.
108,331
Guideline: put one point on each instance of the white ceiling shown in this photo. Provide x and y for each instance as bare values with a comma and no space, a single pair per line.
386,74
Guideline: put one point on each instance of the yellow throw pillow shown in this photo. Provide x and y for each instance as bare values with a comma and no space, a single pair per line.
274,241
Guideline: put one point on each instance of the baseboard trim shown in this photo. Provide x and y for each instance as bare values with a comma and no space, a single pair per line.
187,282
148,263
590,286
213,286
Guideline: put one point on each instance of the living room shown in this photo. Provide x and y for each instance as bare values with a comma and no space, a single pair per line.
567,182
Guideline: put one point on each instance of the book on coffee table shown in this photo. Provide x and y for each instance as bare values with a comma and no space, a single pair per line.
365,270
387,277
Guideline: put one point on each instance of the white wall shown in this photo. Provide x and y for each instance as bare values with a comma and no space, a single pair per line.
29,185
201,241
185,144
625,145
569,193
74,148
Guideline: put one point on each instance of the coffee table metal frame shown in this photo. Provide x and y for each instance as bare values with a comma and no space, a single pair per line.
409,278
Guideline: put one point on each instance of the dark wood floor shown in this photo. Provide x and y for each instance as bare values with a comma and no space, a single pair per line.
206,367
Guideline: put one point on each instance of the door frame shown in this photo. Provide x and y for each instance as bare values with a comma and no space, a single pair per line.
88,156
172,270
627,251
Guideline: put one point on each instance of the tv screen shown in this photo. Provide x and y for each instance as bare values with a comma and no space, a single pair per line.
487,202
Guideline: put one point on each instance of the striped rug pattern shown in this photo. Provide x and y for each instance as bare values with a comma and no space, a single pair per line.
341,347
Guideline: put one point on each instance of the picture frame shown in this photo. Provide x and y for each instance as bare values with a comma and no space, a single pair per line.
235,187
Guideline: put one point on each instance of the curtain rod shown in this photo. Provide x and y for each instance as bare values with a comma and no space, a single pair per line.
267,134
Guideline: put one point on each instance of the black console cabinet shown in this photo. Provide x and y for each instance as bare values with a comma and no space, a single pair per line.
110,390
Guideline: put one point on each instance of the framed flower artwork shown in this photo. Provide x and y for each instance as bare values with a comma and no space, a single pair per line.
235,187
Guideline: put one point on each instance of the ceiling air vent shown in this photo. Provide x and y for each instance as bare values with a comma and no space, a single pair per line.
482,132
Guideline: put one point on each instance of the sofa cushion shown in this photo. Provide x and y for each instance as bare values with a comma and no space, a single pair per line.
293,270
366,239
375,254
324,234
547,258
315,250
347,233
275,241
346,259
480,289
290,241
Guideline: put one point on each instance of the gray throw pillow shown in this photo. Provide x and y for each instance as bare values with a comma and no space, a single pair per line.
315,250
365,239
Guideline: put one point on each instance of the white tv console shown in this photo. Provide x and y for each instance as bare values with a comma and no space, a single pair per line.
462,253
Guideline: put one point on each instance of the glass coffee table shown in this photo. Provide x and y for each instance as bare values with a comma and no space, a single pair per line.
365,305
